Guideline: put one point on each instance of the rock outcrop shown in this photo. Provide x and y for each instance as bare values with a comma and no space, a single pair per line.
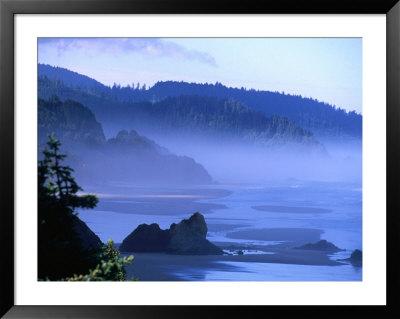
321,245
188,237
89,239
355,258
146,238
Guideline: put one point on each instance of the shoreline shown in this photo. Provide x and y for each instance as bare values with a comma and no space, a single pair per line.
169,267
265,231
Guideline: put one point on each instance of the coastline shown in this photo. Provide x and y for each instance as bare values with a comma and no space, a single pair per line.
266,236
167,267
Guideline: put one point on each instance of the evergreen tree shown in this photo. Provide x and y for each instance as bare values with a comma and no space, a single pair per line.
60,251
62,254
56,181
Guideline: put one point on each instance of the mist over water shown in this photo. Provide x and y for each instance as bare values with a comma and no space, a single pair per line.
229,161
259,198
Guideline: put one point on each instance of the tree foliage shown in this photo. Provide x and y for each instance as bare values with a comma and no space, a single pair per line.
308,113
194,114
61,250
110,267
56,183
68,120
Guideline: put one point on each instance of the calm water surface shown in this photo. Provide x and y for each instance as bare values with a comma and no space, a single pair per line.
292,212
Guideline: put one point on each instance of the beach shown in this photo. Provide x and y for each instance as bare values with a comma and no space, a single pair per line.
265,224
166,267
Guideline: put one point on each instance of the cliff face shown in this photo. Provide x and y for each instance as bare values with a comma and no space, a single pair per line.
185,238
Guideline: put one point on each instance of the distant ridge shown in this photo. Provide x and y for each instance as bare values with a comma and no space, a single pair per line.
319,117
323,119
194,116
68,77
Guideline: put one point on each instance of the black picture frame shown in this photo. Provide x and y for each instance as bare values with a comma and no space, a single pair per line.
9,8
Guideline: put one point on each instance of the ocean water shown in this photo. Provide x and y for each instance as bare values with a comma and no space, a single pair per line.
255,216
253,271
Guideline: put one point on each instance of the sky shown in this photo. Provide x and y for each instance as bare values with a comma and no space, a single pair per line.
327,69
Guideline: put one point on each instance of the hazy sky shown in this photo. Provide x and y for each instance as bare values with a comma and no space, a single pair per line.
328,69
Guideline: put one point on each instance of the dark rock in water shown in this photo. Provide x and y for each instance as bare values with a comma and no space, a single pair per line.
355,258
187,237
321,245
89,239
356,255
146,238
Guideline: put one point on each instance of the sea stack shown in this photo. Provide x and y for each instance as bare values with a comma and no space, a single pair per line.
188,237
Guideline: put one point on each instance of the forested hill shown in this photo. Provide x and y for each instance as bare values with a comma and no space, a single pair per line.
193,115
319,117
70,78
127,157
220,118
70,121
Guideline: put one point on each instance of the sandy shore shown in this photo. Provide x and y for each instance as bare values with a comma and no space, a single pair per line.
291,236
163,202
268,247
165,267
291,209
